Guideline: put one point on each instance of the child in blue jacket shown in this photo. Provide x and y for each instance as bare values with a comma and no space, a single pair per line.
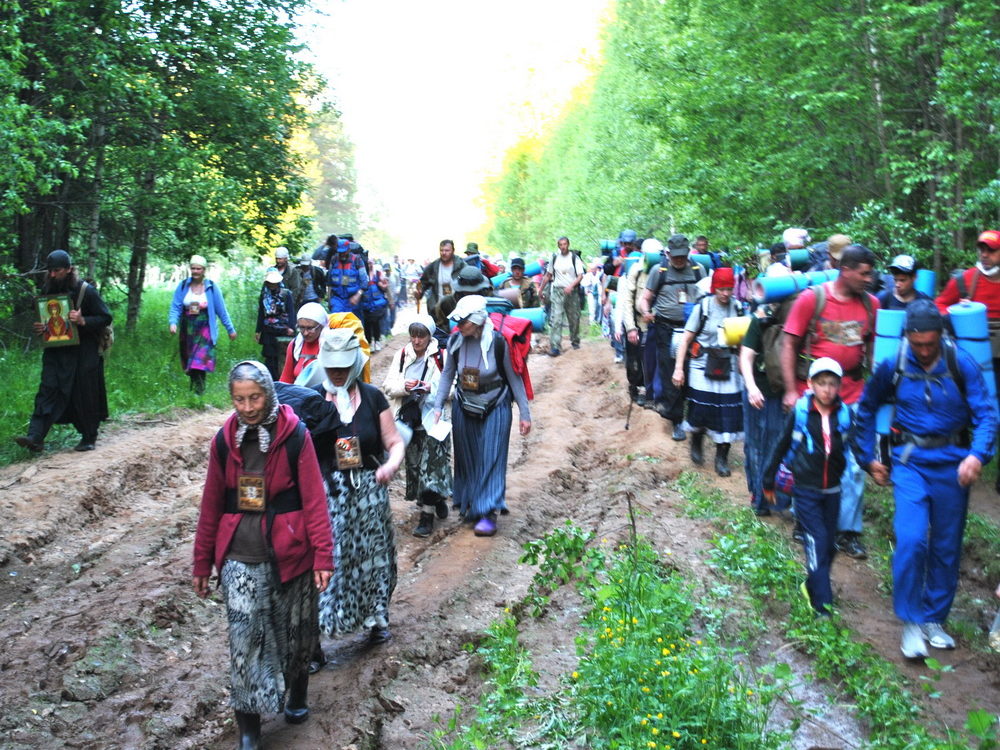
813,448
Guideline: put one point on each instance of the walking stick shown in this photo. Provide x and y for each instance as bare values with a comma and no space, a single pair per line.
628,414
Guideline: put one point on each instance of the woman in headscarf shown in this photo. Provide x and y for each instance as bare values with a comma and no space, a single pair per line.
715,391
263,525
197,302
274,319
304,348
478,357
357,461
411,384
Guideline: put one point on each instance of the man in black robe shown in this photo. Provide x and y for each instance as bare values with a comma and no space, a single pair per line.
72,390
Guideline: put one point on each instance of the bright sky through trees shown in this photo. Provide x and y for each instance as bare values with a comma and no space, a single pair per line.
434,92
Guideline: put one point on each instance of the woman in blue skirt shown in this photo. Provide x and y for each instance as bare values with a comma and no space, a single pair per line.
479,364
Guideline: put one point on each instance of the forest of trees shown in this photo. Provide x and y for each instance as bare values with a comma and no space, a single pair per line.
735,119
147,131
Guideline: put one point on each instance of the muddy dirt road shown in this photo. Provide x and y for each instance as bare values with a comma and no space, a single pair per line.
105,645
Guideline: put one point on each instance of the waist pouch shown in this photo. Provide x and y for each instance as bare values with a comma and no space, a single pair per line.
718,363
479,405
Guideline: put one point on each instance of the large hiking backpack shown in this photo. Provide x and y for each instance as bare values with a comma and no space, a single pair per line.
773,337
517,335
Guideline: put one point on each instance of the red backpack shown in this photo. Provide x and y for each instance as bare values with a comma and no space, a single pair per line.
517,336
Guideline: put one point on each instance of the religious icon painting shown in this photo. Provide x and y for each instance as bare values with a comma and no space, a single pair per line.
53,314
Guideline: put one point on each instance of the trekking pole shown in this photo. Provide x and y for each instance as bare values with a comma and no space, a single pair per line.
628,413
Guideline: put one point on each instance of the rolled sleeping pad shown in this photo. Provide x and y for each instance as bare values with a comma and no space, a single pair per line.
533,269
926,282
702,258
777,288
888,337
631,259
655,258
821,277
972,334
608,245
733,330
613,298
499,279
800,259
535,314
888,334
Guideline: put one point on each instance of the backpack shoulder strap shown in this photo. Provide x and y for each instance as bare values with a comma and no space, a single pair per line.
79,295
951,360
294,449
221,447
820,294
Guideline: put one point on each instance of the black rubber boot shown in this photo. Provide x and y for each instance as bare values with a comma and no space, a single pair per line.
296,710
722,460
426,525
697,444
248,726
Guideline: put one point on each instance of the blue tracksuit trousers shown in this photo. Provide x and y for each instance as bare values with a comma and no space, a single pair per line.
817,512
931,508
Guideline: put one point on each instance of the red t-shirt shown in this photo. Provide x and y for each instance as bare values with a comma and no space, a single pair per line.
842,333
310,350
987,292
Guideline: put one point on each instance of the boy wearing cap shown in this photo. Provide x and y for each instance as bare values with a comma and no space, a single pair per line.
942,433
813,449
904,274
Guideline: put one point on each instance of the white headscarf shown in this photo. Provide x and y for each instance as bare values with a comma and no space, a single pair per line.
473,309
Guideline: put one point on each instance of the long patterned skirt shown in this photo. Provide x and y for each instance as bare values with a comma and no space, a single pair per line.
428,468
481,447
364,554
272,627
197,350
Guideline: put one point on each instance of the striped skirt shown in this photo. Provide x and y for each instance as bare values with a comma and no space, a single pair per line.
272,627
364,554
714,406
481,447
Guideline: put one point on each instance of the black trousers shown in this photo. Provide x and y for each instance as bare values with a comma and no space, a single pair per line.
673,397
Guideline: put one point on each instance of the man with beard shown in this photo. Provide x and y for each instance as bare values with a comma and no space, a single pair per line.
72,389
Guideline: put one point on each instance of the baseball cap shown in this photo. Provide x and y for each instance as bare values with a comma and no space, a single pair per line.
990,238
904,264
922,315
678,245
628,235
517,262
273,276
281,252
825,364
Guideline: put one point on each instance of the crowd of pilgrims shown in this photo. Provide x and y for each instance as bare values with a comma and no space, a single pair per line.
295,517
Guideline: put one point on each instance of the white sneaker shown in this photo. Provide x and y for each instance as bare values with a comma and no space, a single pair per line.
936,636
378,346
912,644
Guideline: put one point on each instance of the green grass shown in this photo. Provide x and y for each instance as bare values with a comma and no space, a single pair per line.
651,673
759,558
142,371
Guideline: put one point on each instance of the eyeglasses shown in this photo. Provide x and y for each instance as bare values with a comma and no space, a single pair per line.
309,329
